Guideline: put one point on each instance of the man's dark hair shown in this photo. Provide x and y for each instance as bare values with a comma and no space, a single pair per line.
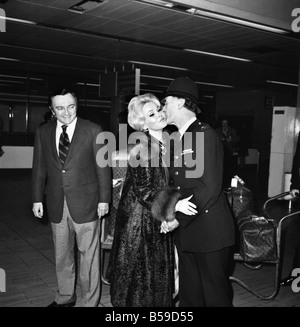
189,104
61,92
192,106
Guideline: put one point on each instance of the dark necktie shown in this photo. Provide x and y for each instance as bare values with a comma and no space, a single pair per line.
64,144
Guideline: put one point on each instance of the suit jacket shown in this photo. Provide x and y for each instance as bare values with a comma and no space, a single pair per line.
213,227
81,181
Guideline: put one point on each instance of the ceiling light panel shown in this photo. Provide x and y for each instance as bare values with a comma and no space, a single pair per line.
85,6
213,15
159,3
282,83
217,55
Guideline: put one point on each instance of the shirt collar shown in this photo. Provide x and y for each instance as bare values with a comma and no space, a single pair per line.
70,126
183,129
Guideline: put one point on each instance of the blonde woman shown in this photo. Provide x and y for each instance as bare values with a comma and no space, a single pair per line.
141,266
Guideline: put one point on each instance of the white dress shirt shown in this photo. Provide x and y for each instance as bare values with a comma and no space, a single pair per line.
70,131
183,129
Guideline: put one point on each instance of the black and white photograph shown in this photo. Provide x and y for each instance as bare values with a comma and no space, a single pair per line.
149,156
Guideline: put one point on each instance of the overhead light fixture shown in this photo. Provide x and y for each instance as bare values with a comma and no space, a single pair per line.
160,3
86,5
217,55
156,65
204,83
282,83
158,77
88,84
209,14
213,84
36,79
17,20
12,82
21,77
12,76
234,20
9,59
152,91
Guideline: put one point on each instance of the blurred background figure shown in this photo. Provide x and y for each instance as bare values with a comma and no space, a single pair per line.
230,140
243,145
47,117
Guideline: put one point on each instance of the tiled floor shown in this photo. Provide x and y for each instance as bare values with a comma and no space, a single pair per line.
26,255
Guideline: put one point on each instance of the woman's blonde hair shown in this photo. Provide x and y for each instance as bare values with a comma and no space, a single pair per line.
136,118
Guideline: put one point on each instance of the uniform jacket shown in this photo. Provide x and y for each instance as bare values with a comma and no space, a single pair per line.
213,227
81,181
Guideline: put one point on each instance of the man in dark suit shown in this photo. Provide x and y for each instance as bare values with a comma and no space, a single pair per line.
203,240
78,192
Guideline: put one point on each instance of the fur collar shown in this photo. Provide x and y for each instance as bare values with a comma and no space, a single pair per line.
163,206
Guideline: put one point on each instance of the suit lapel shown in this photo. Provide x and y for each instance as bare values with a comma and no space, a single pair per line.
52,138
78,139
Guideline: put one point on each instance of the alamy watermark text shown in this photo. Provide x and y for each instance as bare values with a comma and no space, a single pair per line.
2,20
2,280
296,22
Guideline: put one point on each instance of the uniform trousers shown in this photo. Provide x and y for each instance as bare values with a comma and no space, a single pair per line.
204,278
87,240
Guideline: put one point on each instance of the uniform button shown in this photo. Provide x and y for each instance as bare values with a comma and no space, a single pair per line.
206,211
178,187
176,157
63,171
176,172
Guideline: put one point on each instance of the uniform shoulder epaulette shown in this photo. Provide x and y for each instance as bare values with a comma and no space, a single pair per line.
204,126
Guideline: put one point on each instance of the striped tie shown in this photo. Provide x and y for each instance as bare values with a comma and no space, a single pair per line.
64,144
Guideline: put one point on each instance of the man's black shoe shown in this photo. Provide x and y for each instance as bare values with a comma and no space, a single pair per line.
287,281
54,304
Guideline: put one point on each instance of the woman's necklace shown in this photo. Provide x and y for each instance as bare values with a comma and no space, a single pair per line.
162,147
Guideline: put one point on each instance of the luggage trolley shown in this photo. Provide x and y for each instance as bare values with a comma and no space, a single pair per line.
281,212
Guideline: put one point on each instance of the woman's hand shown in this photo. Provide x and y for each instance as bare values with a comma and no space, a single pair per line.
164,227
168,226
186,207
